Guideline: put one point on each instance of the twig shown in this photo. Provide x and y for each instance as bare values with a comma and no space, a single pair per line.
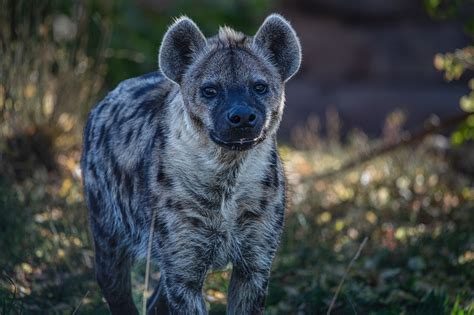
80,303
405,140
345,275
148,259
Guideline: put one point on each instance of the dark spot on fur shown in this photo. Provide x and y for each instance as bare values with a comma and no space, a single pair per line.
274,157
177,205
149,107
203,202
126,219
100,107
267,180
195,222
100,140
128,137
274,169
130,117
94,205
128,183
248,216
116,112
112,242
161,227
117,172
143,90
163,141
280,216
162,177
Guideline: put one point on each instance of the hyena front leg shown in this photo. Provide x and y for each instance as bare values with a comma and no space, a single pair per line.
157,304
251,269
183,279
184,259
113,276
112,264
247,291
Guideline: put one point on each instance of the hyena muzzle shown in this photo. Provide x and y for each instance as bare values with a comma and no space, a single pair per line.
192,150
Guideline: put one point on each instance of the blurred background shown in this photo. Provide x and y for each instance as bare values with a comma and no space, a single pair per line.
376,137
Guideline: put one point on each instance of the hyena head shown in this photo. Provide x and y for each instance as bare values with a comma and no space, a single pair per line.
232,85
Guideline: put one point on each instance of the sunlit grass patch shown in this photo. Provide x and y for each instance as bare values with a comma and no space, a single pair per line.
416,210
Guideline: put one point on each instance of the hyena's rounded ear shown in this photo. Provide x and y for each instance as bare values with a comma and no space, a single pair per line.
279,41
180,43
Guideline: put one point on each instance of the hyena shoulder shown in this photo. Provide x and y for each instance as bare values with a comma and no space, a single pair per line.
124,123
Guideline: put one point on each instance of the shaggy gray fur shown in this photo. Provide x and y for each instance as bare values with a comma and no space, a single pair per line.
161,144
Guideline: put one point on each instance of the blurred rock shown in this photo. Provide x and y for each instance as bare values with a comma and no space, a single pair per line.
461,158
362,8
64,29
368,58
365,105
28,151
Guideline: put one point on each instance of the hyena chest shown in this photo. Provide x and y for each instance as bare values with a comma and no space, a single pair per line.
221,234
232,221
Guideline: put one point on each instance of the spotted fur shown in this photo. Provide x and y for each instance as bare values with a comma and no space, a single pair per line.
148,152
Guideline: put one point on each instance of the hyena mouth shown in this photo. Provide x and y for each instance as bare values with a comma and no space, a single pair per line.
239,145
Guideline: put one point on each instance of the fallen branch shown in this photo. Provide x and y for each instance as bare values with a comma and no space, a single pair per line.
362,245
80,303
407,139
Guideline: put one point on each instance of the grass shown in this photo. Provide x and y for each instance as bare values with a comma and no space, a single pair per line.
414,207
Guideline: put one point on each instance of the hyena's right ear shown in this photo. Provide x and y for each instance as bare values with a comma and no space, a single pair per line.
280,43
182,40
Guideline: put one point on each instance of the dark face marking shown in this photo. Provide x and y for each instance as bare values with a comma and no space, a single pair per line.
232,93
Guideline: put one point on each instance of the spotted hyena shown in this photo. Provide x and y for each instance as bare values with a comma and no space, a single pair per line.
192,151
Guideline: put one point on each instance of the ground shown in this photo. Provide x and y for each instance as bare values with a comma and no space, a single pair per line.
414,206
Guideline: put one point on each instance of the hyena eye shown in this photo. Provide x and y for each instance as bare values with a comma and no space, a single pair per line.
260,88
209,91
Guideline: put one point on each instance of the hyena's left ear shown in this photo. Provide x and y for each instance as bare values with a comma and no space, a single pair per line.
180,43
278,39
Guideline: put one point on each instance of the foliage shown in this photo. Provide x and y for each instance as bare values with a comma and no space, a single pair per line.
14,225
455,64
413,205
138,31
51,71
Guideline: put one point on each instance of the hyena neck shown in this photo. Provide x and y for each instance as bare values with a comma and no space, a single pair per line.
196,158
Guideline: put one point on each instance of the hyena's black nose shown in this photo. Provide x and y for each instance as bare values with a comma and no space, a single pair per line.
242,116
